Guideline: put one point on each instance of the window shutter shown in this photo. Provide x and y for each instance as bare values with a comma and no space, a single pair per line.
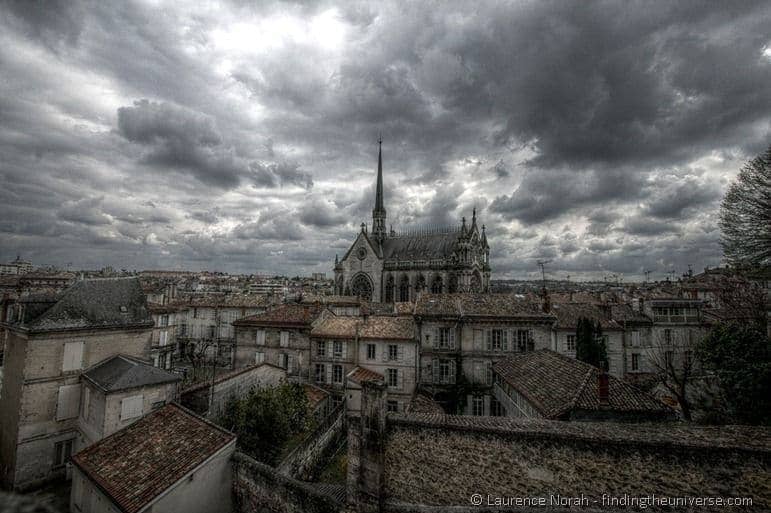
437,340
385,352
452,372
131,407
452,338
505,343
162,340
436,372
400,353
345,349
478,337
328,370
400,379
489,337
73,356
68,402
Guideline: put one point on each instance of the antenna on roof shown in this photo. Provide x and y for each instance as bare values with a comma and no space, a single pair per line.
542,265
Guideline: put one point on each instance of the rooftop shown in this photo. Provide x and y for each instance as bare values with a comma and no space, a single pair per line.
361,375
288,315
121,372
556,384
479,305
372,327
568,315
97,303
136,464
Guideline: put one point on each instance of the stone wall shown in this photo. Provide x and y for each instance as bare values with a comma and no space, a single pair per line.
260,488
437,460
305,458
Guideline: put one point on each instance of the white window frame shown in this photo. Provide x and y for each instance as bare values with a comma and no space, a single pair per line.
283,338
131,407
371,351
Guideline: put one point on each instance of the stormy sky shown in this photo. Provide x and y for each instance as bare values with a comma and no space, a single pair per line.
241,136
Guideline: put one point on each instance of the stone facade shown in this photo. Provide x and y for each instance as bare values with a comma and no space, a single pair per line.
32,433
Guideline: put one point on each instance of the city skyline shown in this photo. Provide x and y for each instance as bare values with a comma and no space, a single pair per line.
243,138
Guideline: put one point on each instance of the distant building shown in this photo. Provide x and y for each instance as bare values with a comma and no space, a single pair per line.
279,336
383,266
18,266
547,385
169,460
48,346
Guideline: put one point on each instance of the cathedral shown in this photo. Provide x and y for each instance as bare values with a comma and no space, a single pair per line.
385,266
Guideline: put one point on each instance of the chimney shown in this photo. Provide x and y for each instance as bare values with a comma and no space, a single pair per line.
603,385
546,304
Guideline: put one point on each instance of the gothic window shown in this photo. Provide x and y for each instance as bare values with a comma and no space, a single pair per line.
453,284
476,282
421,283
389,291
404,289
361,287
436,285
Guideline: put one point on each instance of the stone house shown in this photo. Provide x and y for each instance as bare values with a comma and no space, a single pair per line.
564,332
385,345
169,460
678,325
163,343
119,391
461,336
279,336
46,351
548,385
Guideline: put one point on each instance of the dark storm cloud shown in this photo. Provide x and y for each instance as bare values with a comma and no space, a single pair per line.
614,124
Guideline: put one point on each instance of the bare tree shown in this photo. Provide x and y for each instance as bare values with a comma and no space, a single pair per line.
745,215
671,357
200,354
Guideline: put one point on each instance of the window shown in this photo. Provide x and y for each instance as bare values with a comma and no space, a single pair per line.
496,340
635,339
131,407
571,343
337,374
163,338
259,357
73,356
525,341
635,361
259,337
446,373
393,352
321,373
68,402
284,339
337,349
282,360
321,348
393,406
496,408
446,338
478,406
668,336
371,351
489,373
165,320
392,377
668,358
62,452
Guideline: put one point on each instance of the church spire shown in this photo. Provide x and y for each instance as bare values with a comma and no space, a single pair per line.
379,212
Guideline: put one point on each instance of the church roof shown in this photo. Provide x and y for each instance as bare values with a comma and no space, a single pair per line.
421,246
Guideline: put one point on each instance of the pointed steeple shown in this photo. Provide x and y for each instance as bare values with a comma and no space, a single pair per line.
379,212
474,219
484,237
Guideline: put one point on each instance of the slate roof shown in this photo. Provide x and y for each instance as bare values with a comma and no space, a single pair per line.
479,305
224,301
556,384
361,375
426,246
121,372
289,315
621,313
568,314
421,403
373,327
136,464
98,303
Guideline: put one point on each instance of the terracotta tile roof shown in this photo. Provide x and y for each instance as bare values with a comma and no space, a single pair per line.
332,300
568,314
373,327
556,384
289,315
139,462
421,403
621,313
224,301
315,394
479,305
360,375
